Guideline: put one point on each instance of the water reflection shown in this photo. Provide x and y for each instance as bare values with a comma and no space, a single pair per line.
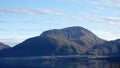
57,63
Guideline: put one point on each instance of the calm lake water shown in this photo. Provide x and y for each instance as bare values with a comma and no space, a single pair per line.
57,63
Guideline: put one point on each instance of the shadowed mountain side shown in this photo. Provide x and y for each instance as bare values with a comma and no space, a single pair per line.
107,48
38,46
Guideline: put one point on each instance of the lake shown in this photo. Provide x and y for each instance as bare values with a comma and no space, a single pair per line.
59,62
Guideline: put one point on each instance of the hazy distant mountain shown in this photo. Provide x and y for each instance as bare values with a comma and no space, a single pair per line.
3,46
67,41
107,48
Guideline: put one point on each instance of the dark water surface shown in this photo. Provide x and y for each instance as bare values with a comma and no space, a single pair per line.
57,63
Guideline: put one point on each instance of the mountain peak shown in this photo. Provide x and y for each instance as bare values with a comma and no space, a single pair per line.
70,32
74,27
74,33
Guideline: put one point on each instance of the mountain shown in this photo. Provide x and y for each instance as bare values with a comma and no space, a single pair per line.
67,41
79,35
107,48
3,46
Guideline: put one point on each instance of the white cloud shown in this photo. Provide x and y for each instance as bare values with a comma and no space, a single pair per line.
22,11
89,17
112,3
107,2
108,20
112,20
92,2
32,12
69,0
39,12
54,12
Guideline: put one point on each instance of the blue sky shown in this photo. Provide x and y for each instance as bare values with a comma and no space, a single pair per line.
22,19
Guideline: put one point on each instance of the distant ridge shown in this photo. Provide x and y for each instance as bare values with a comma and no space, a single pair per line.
3,46
107,48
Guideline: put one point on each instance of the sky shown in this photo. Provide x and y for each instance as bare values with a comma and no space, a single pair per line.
22,19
